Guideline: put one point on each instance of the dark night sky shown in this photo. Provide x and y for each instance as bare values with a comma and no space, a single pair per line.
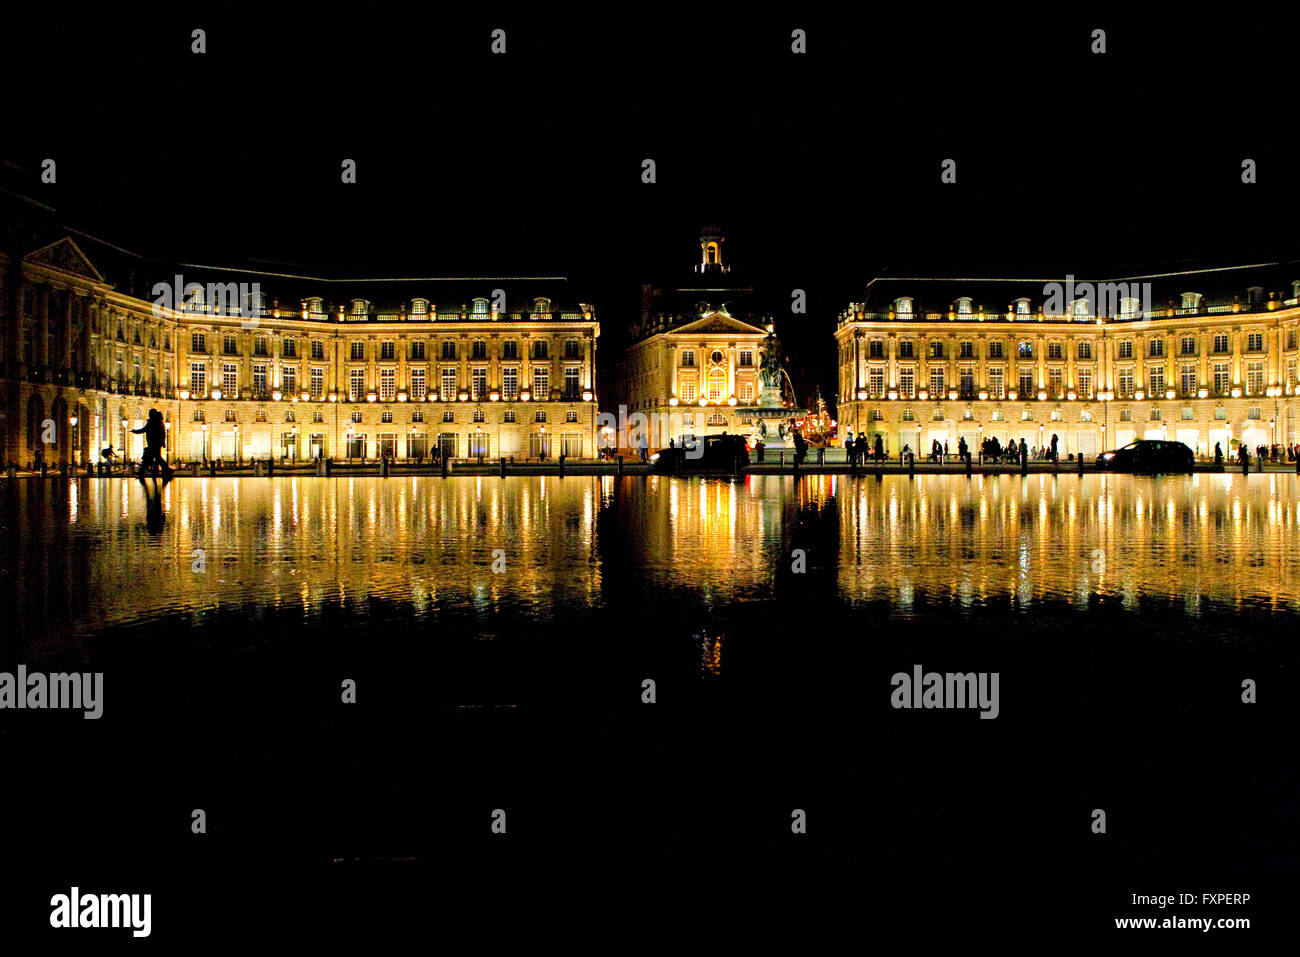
822,169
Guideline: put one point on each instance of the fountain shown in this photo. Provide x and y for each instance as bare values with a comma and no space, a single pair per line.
771,419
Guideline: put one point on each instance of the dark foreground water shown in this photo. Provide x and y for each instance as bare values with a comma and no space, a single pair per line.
499,632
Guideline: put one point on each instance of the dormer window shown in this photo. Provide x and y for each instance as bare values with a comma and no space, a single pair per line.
1022,307
1079,309
479,307
1128,307
542,306
1256,294
313,307
903,306
964,306
360,308
419,307
1191,300
256,304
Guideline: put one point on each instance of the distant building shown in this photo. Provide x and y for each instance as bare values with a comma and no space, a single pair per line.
296,368
1199,357
695,349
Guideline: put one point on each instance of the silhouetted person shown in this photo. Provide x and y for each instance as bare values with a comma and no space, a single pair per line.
880,449
1024,452
1054,455
153,509
155,436
1218,454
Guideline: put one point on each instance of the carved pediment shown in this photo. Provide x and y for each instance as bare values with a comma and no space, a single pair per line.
65,256
719,322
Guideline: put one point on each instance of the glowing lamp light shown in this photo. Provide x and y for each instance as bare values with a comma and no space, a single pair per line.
525,396
275,395
672,400
587,397
334,396
1202,393
494,396
1169,393
1012,395
703,402
401,397
731,400
983,395
216,394
893,393
305,396
72,421
464,397
952,395
371,397
1071,396
1041,395
924,394
185,395
1139,395
862,395
1236,393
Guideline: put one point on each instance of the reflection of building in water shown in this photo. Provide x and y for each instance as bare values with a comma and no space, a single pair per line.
991,539
1197,357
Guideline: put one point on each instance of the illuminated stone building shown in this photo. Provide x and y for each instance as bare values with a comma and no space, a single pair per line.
1199,357
696,348
247,365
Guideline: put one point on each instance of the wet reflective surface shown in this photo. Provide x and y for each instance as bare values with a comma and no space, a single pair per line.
86,557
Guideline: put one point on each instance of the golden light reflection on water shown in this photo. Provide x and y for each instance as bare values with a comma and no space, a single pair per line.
85,559
1211,538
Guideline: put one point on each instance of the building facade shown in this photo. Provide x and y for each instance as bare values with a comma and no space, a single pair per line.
300,367
1205,358
693,360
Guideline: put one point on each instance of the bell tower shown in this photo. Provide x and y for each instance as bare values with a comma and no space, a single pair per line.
711,240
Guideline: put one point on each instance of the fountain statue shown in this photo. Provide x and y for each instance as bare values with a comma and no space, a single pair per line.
771,418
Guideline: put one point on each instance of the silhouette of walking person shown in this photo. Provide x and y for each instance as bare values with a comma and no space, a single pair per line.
154,518
155,435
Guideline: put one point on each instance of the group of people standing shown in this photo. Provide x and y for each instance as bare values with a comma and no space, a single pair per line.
858,449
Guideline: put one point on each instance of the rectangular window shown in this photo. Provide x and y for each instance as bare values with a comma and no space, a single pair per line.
541,384
905,349
1026,382
907,382
936,380
876,349
686,390
317,384
290,349
571,349
479,349
1054,384
1157,348
1222,378
510,382
747,356
1125,383
936,349
510,349
1085,349
1188,380
1254,341
1255,378
1220,342
229,345
317,349
967,382
967,350
1156,382
387,350
1053,350
198,380
418,385
997,387
688,358
417,350
876,381
995,349
358,350
1085,383
478,383
572,386
197,342
747,392
259,379
356,384
387,385
448,385
1189,345
1126,349
448,350
230,380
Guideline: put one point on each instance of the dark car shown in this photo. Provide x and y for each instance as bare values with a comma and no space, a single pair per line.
1148,455
711,453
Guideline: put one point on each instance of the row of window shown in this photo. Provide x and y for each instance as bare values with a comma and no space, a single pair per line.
419,386
417,415
314,306
1220,343
1129,306
387,348
745,357
716,390
1027,415
1188,380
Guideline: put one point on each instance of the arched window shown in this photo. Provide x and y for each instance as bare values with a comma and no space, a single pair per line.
480,307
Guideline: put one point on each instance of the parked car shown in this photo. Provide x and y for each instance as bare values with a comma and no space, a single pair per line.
1148,455
711,453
